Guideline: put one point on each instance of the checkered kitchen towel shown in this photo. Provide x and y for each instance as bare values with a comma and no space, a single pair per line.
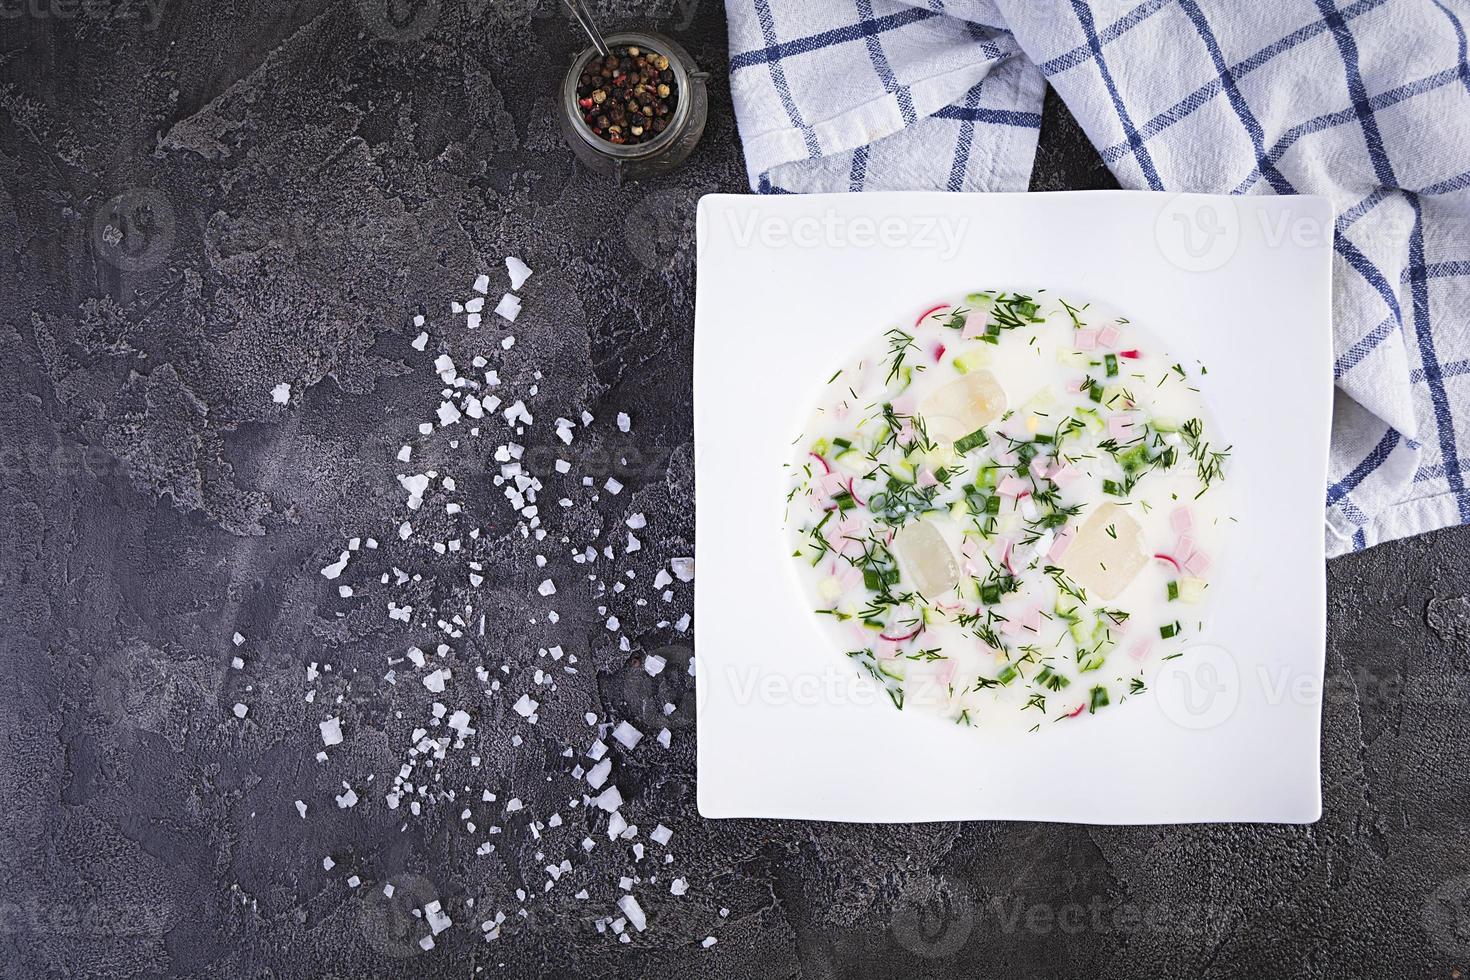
1366,102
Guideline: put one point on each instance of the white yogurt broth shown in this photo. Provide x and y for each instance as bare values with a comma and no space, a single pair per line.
1008,509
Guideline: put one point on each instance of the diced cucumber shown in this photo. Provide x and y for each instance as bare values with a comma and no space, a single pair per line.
1191,589
892,668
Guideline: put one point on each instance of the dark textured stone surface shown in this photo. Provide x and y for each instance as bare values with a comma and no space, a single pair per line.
305,178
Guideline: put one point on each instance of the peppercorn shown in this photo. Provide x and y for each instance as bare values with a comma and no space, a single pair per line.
627,96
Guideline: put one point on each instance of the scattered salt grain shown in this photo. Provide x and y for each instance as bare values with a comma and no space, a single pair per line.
633,911
661,835
547,587
627,735
683,569
421,341
281,393
482,283
509,307
241,710
625,424
335,568
519,271
678,886
654,664
331,731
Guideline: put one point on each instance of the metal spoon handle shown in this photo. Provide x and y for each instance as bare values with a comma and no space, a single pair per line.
584,17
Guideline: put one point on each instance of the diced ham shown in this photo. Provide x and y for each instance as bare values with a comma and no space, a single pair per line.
1120,427
945,674
1013,486
1065,474
1198,564
1181,520
1184,549
1085,339
1108,336
1141,649
1059,544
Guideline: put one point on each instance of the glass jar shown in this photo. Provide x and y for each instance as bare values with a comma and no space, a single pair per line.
666,150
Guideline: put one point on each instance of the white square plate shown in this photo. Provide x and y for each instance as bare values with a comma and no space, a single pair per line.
790,287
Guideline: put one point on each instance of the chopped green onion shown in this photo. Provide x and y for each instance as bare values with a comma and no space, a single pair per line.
974,440
1169,630
1098,699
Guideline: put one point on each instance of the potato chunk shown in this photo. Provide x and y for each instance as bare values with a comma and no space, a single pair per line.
1102,563
962,406
925,559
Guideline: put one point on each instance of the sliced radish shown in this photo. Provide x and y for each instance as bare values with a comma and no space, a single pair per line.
852,489
1132,355
933,309
826,466
1170,560
938,353
907,636
1075,711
